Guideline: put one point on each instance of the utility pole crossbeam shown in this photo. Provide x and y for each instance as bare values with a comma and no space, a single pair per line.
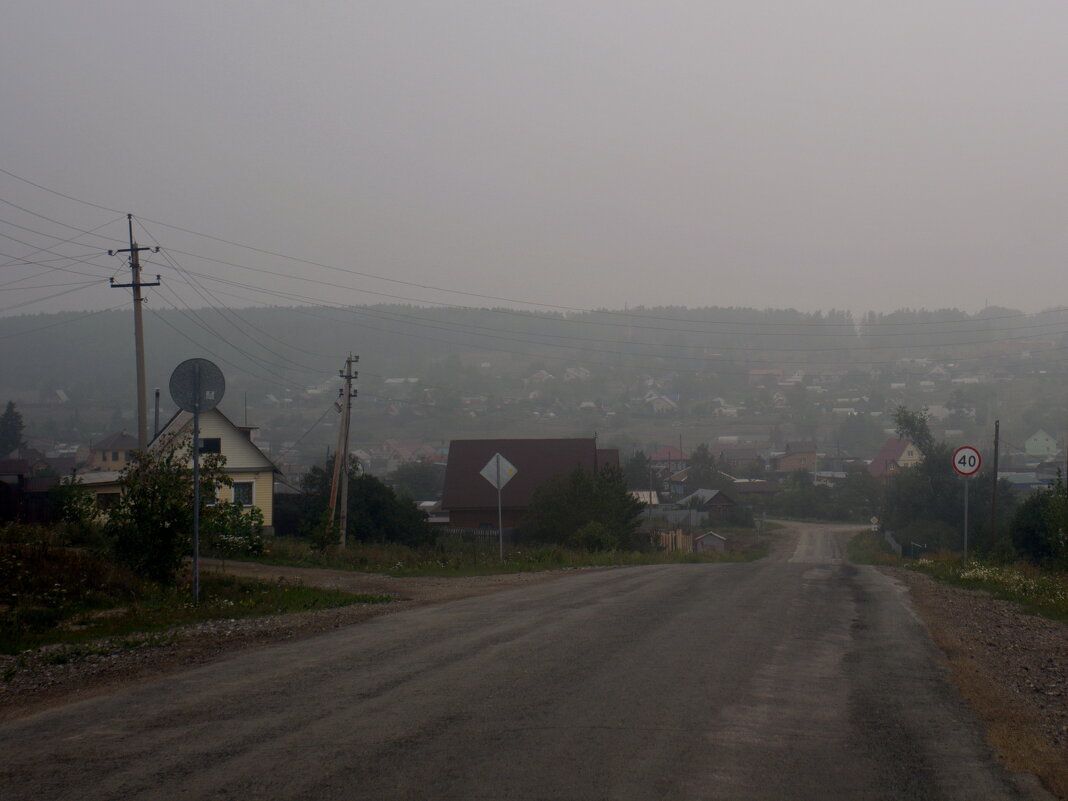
139,335
341,457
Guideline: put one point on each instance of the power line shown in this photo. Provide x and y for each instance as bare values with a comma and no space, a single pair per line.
199,321
49,250
60,322
410,320
49,286
482,296
226,311
46,297
856,331
243,369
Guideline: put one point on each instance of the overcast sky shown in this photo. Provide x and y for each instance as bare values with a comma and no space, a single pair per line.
819,154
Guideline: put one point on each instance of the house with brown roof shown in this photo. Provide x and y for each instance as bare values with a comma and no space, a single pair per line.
471,500
896,454
393,453
669,459
798,456
733,457
113,452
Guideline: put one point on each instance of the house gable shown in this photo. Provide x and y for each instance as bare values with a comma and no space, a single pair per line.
1040,444
895,454
471,500
251,471
232,441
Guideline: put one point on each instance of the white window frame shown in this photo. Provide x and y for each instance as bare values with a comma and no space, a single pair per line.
251,493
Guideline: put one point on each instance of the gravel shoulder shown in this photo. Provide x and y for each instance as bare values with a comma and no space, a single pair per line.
1012,668
61,674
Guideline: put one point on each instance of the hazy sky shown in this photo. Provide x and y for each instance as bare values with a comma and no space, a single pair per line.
818,154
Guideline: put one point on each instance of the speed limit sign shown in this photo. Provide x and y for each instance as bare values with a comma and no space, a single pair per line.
967,461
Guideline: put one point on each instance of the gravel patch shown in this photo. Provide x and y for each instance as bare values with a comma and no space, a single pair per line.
1010,666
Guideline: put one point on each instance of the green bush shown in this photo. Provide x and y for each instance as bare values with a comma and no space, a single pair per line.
151,525
231,530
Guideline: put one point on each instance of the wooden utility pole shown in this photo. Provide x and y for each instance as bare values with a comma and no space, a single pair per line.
139,334
341,457
994,488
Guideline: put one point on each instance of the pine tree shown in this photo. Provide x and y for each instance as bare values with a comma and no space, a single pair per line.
11,426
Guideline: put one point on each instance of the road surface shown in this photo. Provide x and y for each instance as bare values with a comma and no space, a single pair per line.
797,677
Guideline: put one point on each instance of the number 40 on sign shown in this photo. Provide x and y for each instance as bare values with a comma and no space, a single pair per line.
967,460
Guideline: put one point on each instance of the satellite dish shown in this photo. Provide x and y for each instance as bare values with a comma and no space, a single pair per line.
197,385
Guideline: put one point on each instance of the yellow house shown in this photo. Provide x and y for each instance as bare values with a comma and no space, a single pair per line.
252,472
112,452
896,454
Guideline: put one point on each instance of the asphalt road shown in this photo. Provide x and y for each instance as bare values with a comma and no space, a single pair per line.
799,677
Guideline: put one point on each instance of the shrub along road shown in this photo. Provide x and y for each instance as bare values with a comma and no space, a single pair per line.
795,677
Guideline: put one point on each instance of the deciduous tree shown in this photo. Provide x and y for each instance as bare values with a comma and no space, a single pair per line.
375,513
581,510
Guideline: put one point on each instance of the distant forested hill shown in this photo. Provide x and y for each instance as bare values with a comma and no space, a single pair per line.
274,350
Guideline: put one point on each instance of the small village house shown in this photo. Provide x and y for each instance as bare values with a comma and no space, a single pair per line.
896,454
113,452
669,459
1041,445
798,456
471,500
252,472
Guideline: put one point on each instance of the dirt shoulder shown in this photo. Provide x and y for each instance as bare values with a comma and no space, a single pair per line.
1012,668
56,675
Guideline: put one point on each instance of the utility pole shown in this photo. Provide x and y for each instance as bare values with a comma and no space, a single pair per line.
994,488
139,334
341,458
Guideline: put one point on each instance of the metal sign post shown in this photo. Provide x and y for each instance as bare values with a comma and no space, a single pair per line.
498,472
197,385
967,461
196,483
965,522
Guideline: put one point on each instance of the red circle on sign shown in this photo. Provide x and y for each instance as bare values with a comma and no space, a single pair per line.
967,460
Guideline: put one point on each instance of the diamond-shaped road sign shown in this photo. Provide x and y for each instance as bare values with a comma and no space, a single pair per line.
498,471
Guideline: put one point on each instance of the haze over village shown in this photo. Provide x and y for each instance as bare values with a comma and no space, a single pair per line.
752,386
534,400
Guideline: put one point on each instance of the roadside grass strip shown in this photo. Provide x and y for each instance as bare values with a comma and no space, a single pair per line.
55,595
1038,592
869,548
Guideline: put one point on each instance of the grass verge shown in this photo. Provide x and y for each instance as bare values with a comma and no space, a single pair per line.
54,595
1036,591
869,548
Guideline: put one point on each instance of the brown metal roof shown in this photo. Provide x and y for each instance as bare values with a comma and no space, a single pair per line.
885,460
536,461
15,467
119,441
607,457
